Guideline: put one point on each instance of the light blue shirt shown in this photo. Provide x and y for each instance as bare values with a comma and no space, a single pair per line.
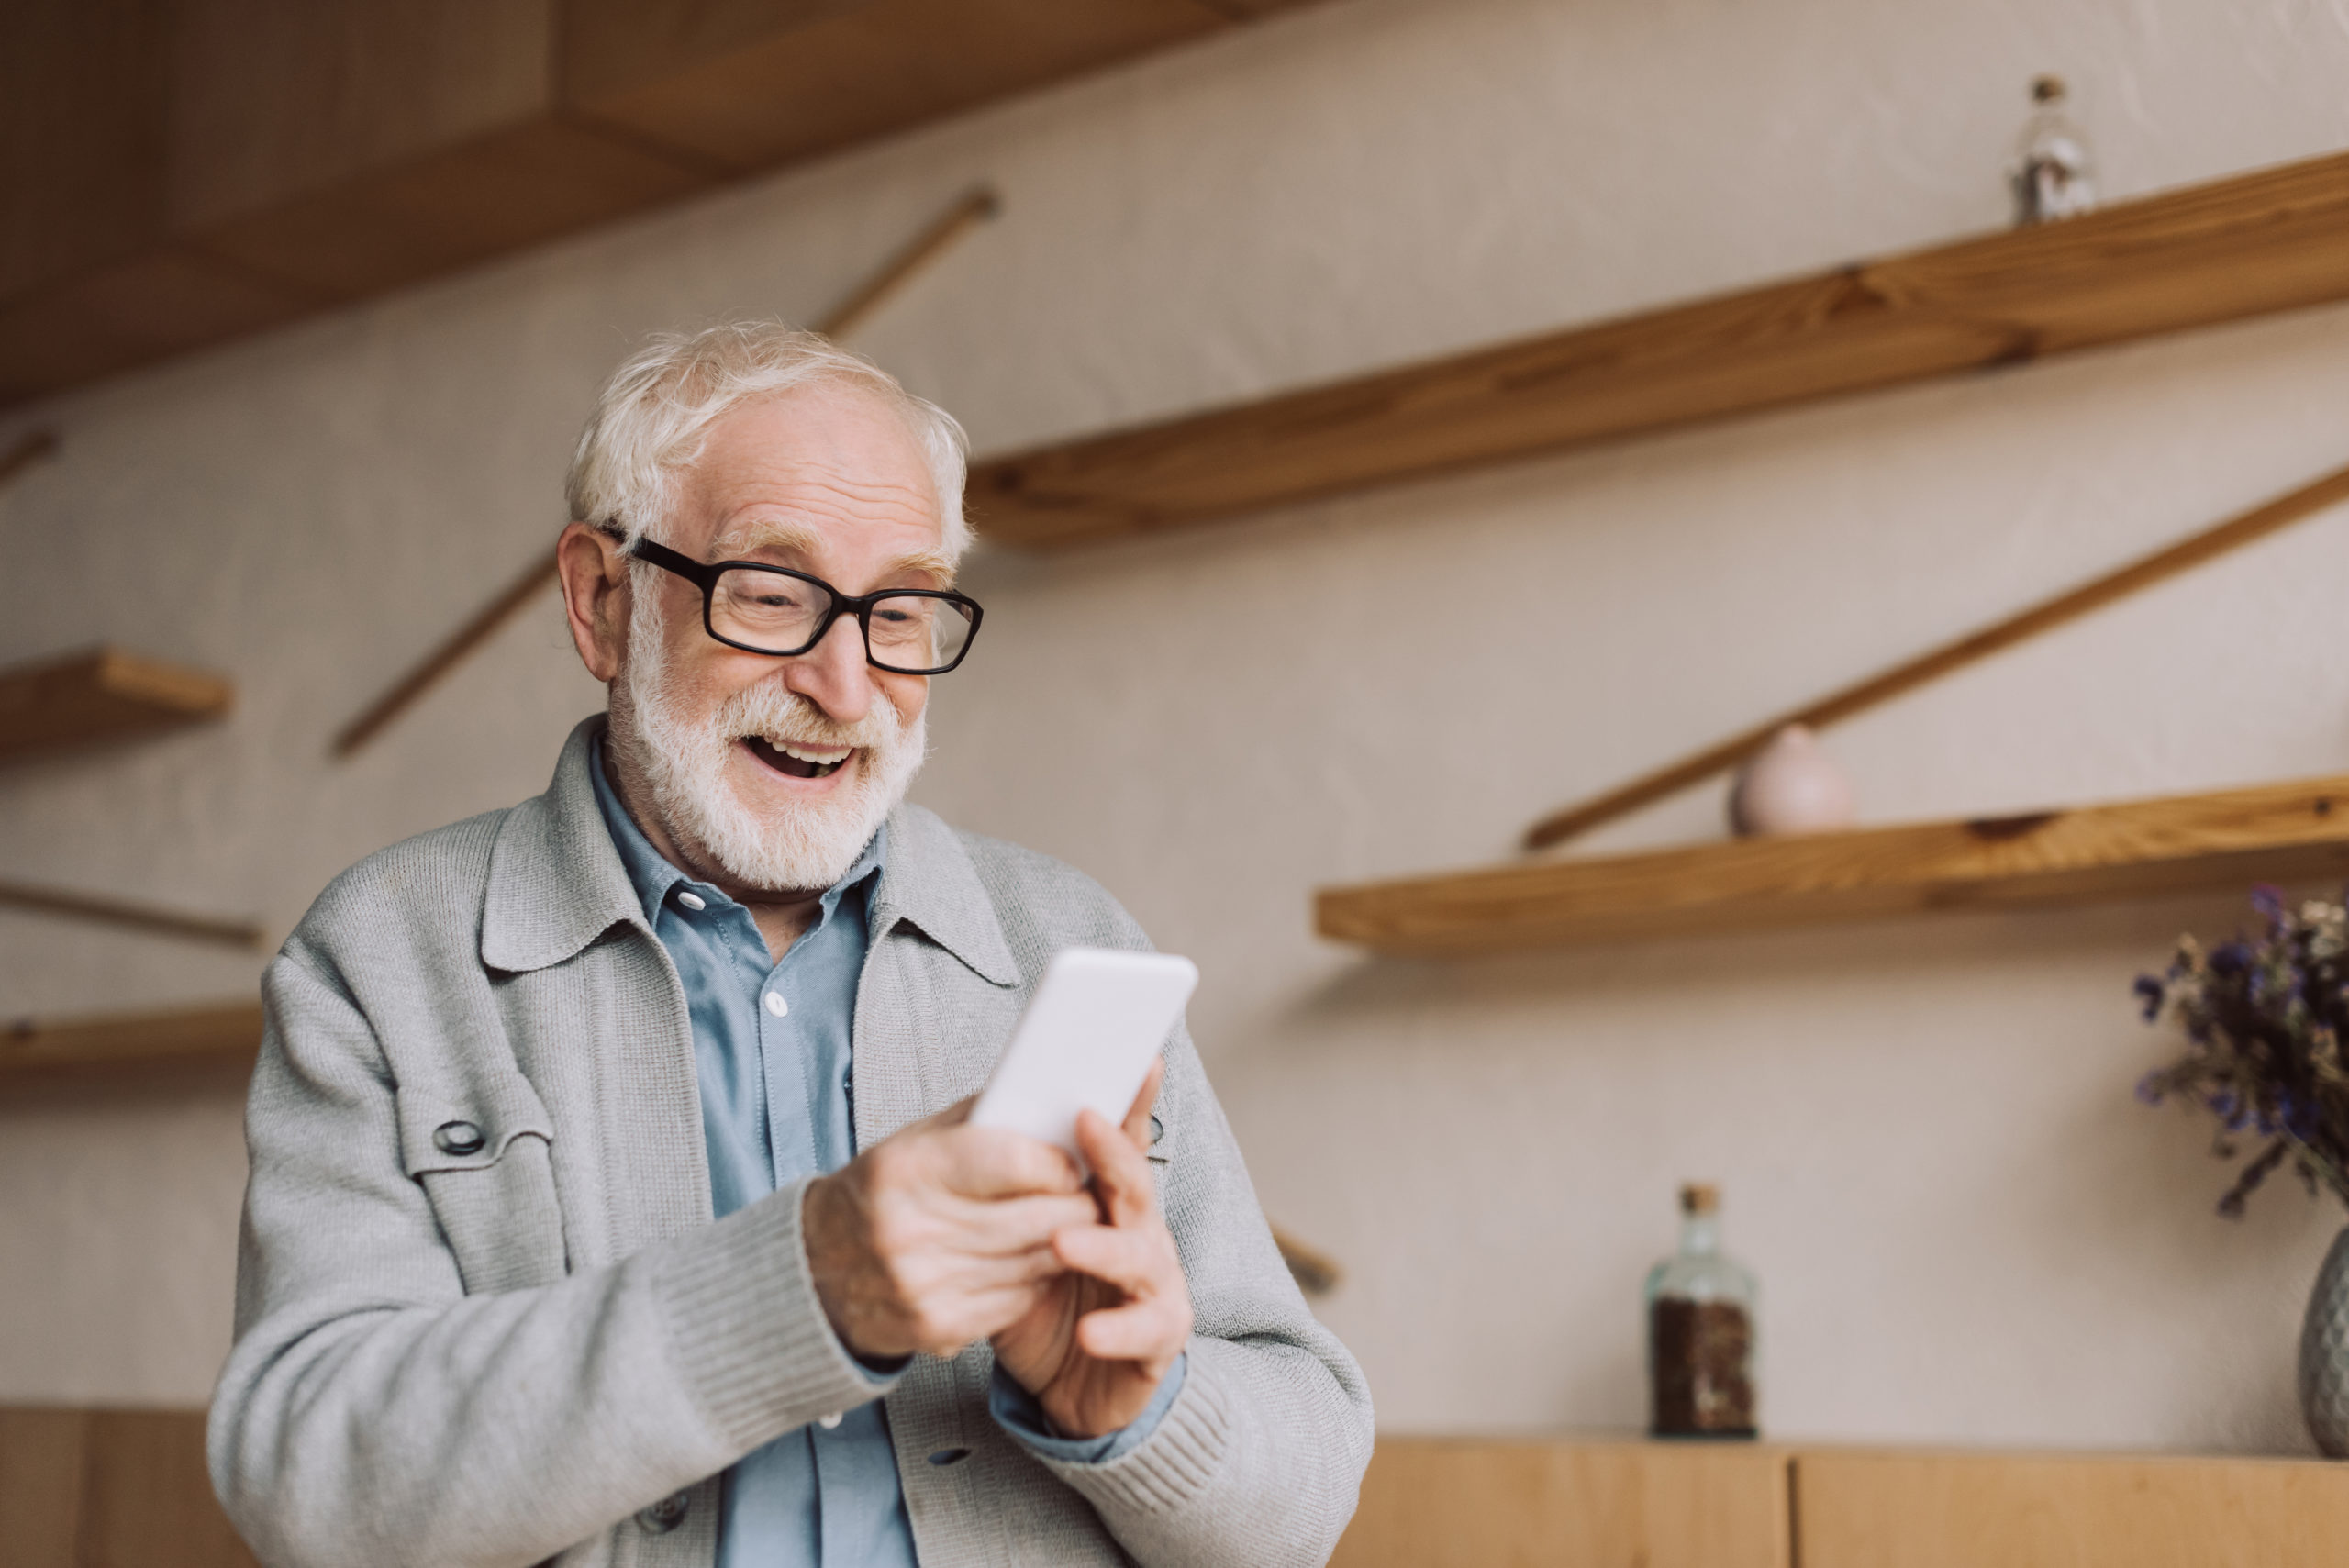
774,1051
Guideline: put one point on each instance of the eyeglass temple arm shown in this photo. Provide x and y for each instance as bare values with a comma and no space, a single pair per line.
661,555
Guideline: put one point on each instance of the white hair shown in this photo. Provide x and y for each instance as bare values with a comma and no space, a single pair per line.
654,415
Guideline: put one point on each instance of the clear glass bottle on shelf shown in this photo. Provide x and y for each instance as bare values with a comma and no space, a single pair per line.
2053,176
1702,1345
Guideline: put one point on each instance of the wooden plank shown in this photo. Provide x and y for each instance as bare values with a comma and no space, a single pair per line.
1314,1271
147,1498
272,101
167,300
1500,1503
224,1032
231,165
102,693
2283,833
2272,240
966,212
1987,1510
83,103
43,1452
498,192
754,84
73,903
429,672
2243,528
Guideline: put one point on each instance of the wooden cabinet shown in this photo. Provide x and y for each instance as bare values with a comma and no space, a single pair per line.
1862,1509
1502,1503
1589,1503
110,1489
128,1489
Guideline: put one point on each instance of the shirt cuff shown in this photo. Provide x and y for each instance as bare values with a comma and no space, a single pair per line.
1017,1412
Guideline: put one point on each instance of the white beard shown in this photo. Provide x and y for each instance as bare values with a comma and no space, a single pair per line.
799,846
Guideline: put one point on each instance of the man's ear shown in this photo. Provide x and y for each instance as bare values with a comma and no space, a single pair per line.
595,596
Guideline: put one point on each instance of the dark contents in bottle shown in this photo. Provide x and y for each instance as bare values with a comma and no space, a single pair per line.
1703,1353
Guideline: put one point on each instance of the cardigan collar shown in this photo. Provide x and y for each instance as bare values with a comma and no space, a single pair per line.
557,882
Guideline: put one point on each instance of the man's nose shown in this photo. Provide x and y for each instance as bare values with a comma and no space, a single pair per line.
833,675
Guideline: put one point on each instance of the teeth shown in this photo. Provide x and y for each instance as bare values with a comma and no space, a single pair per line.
811,754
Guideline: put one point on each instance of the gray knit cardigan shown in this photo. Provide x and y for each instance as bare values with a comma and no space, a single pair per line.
475,1348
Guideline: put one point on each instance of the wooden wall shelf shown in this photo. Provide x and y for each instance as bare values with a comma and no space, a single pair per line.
1594,1503
102,693
227,1032
2284,833
2267,242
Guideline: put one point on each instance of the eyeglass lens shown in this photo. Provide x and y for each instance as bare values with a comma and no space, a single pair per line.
776,614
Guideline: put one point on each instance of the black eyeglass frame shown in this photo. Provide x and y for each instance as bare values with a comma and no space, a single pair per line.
704,576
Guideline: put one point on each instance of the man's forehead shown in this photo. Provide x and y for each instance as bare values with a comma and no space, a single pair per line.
811,422
816,464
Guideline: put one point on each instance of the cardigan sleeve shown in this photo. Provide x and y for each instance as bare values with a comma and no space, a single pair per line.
373,1412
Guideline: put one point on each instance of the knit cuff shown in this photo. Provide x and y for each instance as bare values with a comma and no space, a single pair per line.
1192,1443
747,1330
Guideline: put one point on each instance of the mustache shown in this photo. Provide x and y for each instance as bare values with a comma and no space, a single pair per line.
771,710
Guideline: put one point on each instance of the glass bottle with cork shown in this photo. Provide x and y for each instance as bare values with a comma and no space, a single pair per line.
1702,1360
2053,176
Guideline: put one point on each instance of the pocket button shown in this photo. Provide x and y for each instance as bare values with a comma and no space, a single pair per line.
458,1138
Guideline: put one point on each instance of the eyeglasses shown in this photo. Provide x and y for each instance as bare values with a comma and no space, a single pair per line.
772,609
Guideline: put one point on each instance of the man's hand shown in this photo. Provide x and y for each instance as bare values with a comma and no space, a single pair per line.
1100,1339
939,1235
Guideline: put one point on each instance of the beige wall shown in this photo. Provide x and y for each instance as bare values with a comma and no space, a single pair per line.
1966,1227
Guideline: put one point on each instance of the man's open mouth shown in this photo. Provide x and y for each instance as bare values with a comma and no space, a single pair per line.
798,760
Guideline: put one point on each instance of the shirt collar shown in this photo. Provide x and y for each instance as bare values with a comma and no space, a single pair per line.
654,878
557,882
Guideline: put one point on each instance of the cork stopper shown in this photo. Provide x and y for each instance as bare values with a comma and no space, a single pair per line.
2047,90
1699,1197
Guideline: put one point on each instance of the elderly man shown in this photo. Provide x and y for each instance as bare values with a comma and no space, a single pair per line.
612,1199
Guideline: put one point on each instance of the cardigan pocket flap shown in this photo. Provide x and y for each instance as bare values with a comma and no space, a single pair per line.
472,1132
485,1163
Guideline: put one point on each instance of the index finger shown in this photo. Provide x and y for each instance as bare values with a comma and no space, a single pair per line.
1121,1174
1137,1118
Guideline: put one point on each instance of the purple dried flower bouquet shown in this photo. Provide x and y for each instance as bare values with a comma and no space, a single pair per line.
2264,1016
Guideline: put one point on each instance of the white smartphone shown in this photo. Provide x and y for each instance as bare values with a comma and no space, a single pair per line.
1086,1041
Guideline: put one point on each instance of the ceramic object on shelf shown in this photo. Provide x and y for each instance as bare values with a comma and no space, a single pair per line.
1789,786
2325,1353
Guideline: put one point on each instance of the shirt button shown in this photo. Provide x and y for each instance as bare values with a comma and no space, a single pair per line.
665,1514
776,1004
692,900
829,1420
